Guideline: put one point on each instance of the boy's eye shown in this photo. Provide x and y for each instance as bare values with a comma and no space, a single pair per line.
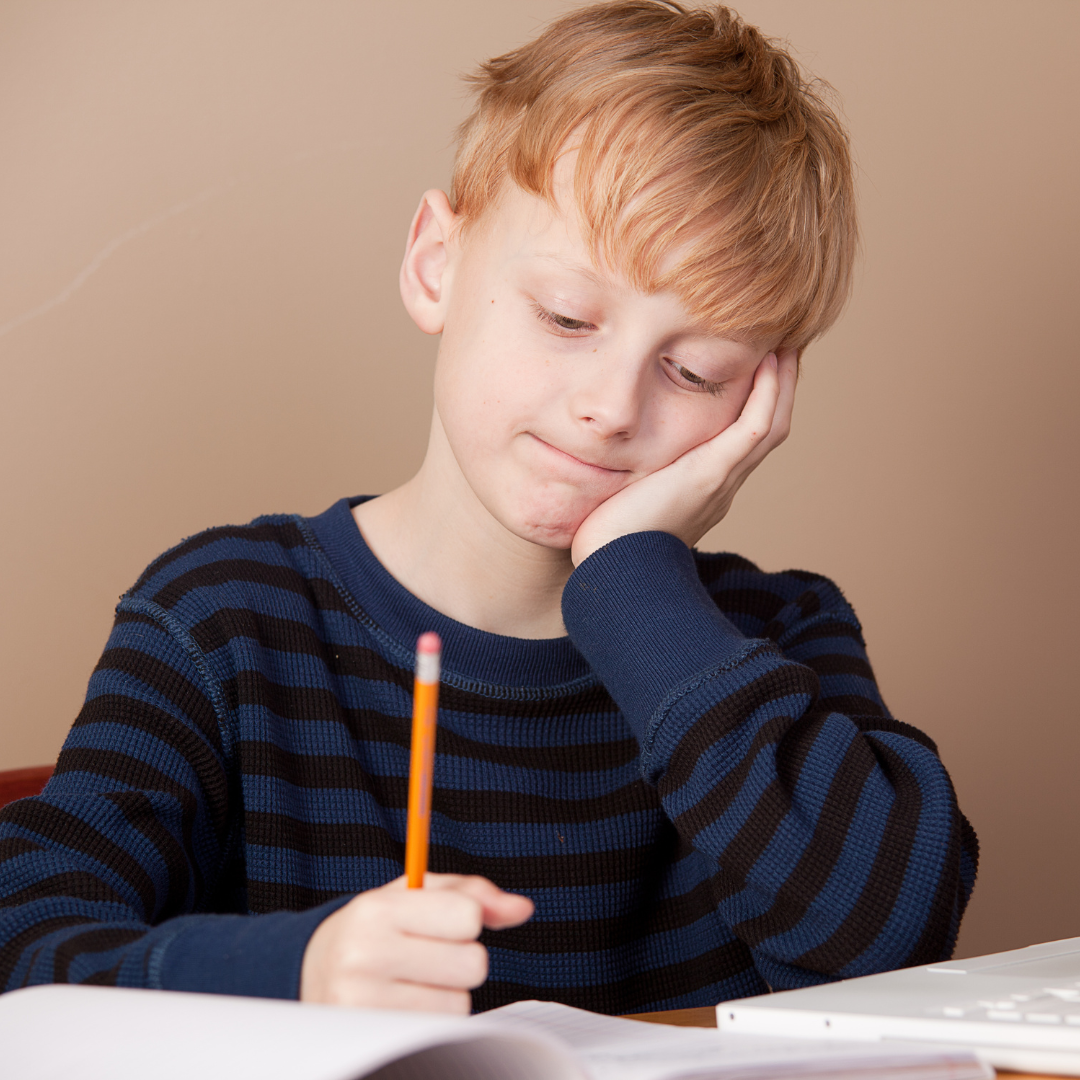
696,380
561,322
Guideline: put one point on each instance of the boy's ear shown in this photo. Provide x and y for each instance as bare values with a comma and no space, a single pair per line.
424,271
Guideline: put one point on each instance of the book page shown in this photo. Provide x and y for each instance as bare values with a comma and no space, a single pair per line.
104,1033
614,1049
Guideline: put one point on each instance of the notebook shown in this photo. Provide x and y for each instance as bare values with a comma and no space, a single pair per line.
1018,1010
96,1033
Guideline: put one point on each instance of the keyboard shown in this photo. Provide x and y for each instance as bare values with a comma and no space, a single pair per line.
1047,1005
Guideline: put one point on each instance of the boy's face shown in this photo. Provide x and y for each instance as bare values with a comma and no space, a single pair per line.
559,384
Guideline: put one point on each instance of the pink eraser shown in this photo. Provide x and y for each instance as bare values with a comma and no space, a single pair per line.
429,643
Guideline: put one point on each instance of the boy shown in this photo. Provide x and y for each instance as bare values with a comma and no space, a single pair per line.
663,778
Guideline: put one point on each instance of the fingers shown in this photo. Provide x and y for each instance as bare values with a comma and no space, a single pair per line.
444,913
736,443
498,909
400,948
399,957
788,374
765,420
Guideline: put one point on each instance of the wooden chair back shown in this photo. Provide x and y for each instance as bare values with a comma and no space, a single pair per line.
19,783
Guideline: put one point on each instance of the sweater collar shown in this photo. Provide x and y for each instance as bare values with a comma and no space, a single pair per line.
474,656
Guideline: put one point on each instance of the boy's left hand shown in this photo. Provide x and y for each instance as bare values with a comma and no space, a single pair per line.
692,494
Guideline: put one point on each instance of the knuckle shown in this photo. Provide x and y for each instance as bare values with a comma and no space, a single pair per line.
474,964
365,954
466,913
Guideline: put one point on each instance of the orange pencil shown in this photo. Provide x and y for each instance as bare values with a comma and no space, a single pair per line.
422,760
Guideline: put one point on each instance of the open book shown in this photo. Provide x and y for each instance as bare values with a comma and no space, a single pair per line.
96,1033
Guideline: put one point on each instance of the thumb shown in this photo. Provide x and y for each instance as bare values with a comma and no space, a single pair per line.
500,909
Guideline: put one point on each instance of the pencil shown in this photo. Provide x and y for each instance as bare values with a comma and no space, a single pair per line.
422,759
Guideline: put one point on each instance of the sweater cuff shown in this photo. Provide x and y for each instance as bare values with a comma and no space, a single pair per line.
249,955
637,611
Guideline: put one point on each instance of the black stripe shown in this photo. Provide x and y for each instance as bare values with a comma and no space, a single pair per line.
711,566
715,804
650,915
757,603
852,705
141,716
124,618
809,603
938,937
12,949
76,884
267,896
294,637
834,628
517,873
101,939
104,978
731,712
169,683
71,832
284,635
727,961
285,534
139,813
474,805
839,664
877,901
809,875
395,731
869,724
368,725
13,846
250,572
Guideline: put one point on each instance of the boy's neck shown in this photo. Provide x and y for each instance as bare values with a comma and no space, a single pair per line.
437,539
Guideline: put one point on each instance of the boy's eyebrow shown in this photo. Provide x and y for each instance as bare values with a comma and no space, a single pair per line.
570,264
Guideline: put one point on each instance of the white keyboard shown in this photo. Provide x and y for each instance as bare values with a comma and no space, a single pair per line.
1049,1005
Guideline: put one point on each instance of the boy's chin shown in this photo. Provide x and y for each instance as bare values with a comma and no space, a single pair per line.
550,525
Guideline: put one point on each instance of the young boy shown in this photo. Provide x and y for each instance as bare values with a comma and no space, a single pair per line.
664,778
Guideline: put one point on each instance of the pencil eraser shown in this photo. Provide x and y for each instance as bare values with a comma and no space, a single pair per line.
429,643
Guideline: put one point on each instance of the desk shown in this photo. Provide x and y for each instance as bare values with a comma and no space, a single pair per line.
706,1017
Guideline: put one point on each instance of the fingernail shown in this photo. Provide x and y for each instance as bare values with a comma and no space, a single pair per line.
772,360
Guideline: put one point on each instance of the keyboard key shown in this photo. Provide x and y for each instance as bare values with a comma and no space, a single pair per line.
1001,1014
1042,1018
953,1010
1072,1019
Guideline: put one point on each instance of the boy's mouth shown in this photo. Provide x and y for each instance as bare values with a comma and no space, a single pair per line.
599,469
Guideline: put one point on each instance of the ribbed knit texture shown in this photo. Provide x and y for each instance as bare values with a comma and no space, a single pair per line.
700,788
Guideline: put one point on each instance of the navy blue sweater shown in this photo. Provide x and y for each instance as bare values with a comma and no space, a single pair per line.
700,787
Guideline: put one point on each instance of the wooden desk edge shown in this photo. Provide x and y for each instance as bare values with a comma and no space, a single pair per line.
705,1017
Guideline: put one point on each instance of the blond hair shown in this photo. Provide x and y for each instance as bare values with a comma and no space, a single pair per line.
697,135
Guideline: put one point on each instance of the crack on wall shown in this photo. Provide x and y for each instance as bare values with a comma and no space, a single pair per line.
151,223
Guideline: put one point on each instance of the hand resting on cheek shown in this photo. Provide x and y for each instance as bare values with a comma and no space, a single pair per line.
692,494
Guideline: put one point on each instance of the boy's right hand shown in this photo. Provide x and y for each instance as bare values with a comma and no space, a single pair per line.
400,948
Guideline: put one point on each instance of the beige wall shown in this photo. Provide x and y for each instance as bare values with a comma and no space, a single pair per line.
202,204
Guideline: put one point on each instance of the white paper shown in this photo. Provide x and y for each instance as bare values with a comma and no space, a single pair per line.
614,1049
102,1033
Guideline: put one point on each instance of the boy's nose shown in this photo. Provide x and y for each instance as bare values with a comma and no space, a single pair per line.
608,401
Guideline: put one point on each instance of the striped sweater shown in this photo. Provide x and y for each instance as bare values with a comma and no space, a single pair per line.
700,787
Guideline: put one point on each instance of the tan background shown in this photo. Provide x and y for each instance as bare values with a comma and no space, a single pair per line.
202,206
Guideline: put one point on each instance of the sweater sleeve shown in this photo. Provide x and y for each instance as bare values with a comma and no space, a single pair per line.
114,873
838,846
